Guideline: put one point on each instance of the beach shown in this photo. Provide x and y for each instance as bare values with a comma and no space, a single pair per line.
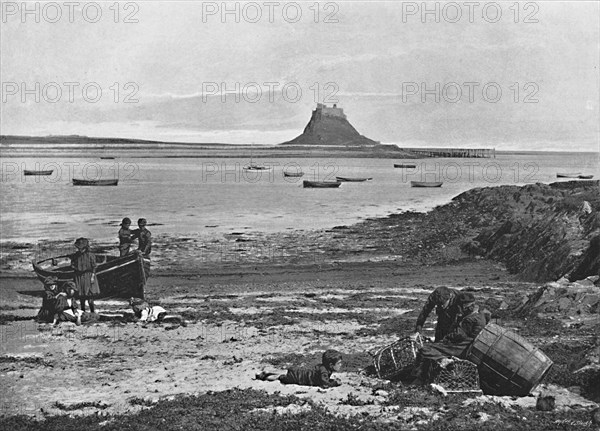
267,301
298,178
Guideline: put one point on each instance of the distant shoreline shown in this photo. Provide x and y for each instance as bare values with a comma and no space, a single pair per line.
204,153
12,146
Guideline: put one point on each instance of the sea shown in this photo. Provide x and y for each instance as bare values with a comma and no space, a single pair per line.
213,196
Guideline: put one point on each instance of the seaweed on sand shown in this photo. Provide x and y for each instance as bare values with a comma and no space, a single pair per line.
250,410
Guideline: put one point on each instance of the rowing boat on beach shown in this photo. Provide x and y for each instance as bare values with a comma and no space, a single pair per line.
352,180
320,184
32,172
426,183
121,277
79,182
568,175
400,165
585,177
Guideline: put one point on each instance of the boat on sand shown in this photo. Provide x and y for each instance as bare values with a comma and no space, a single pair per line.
121,277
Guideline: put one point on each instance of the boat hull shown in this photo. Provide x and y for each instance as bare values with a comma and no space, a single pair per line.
352,180
293,174
320,184
585,177
121,277
26,172
572,175
396,165
426,183
77,182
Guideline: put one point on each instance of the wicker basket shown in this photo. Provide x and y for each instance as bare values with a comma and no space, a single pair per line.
390,361
457,376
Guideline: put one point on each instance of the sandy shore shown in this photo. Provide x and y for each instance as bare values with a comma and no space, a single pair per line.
268,301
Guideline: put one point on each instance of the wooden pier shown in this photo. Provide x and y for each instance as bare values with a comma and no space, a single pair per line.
476,153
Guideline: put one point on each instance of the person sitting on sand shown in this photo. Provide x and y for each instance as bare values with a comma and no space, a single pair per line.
456,342
46,313
144,238
65,309
317,376
444,300
145,313
125,237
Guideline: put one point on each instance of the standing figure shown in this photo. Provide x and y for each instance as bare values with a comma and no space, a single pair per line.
144,237
84,263
125,237
447,309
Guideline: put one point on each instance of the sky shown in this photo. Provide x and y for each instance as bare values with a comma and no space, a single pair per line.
515,76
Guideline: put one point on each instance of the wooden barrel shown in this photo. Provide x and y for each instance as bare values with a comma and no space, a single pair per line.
507,363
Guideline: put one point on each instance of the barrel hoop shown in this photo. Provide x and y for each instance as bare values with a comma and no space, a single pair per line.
482,352
498,338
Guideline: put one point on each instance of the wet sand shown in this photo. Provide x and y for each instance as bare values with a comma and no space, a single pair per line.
244,316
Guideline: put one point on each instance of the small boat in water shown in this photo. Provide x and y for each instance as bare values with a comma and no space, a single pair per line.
585,177
78,182
400,165
568,175
293,174
252,167
352,180
256,168
426,183
107,158
32,172
121,277
320,184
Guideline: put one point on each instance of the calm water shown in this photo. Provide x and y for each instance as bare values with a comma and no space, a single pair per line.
212,196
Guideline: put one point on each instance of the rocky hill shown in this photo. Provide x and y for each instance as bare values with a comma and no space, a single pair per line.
329,127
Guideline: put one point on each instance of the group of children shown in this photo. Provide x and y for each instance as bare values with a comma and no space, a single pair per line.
58,304
126,237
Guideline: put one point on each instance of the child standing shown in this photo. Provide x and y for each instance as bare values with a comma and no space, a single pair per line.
125,237
144,238
84,264
317,376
